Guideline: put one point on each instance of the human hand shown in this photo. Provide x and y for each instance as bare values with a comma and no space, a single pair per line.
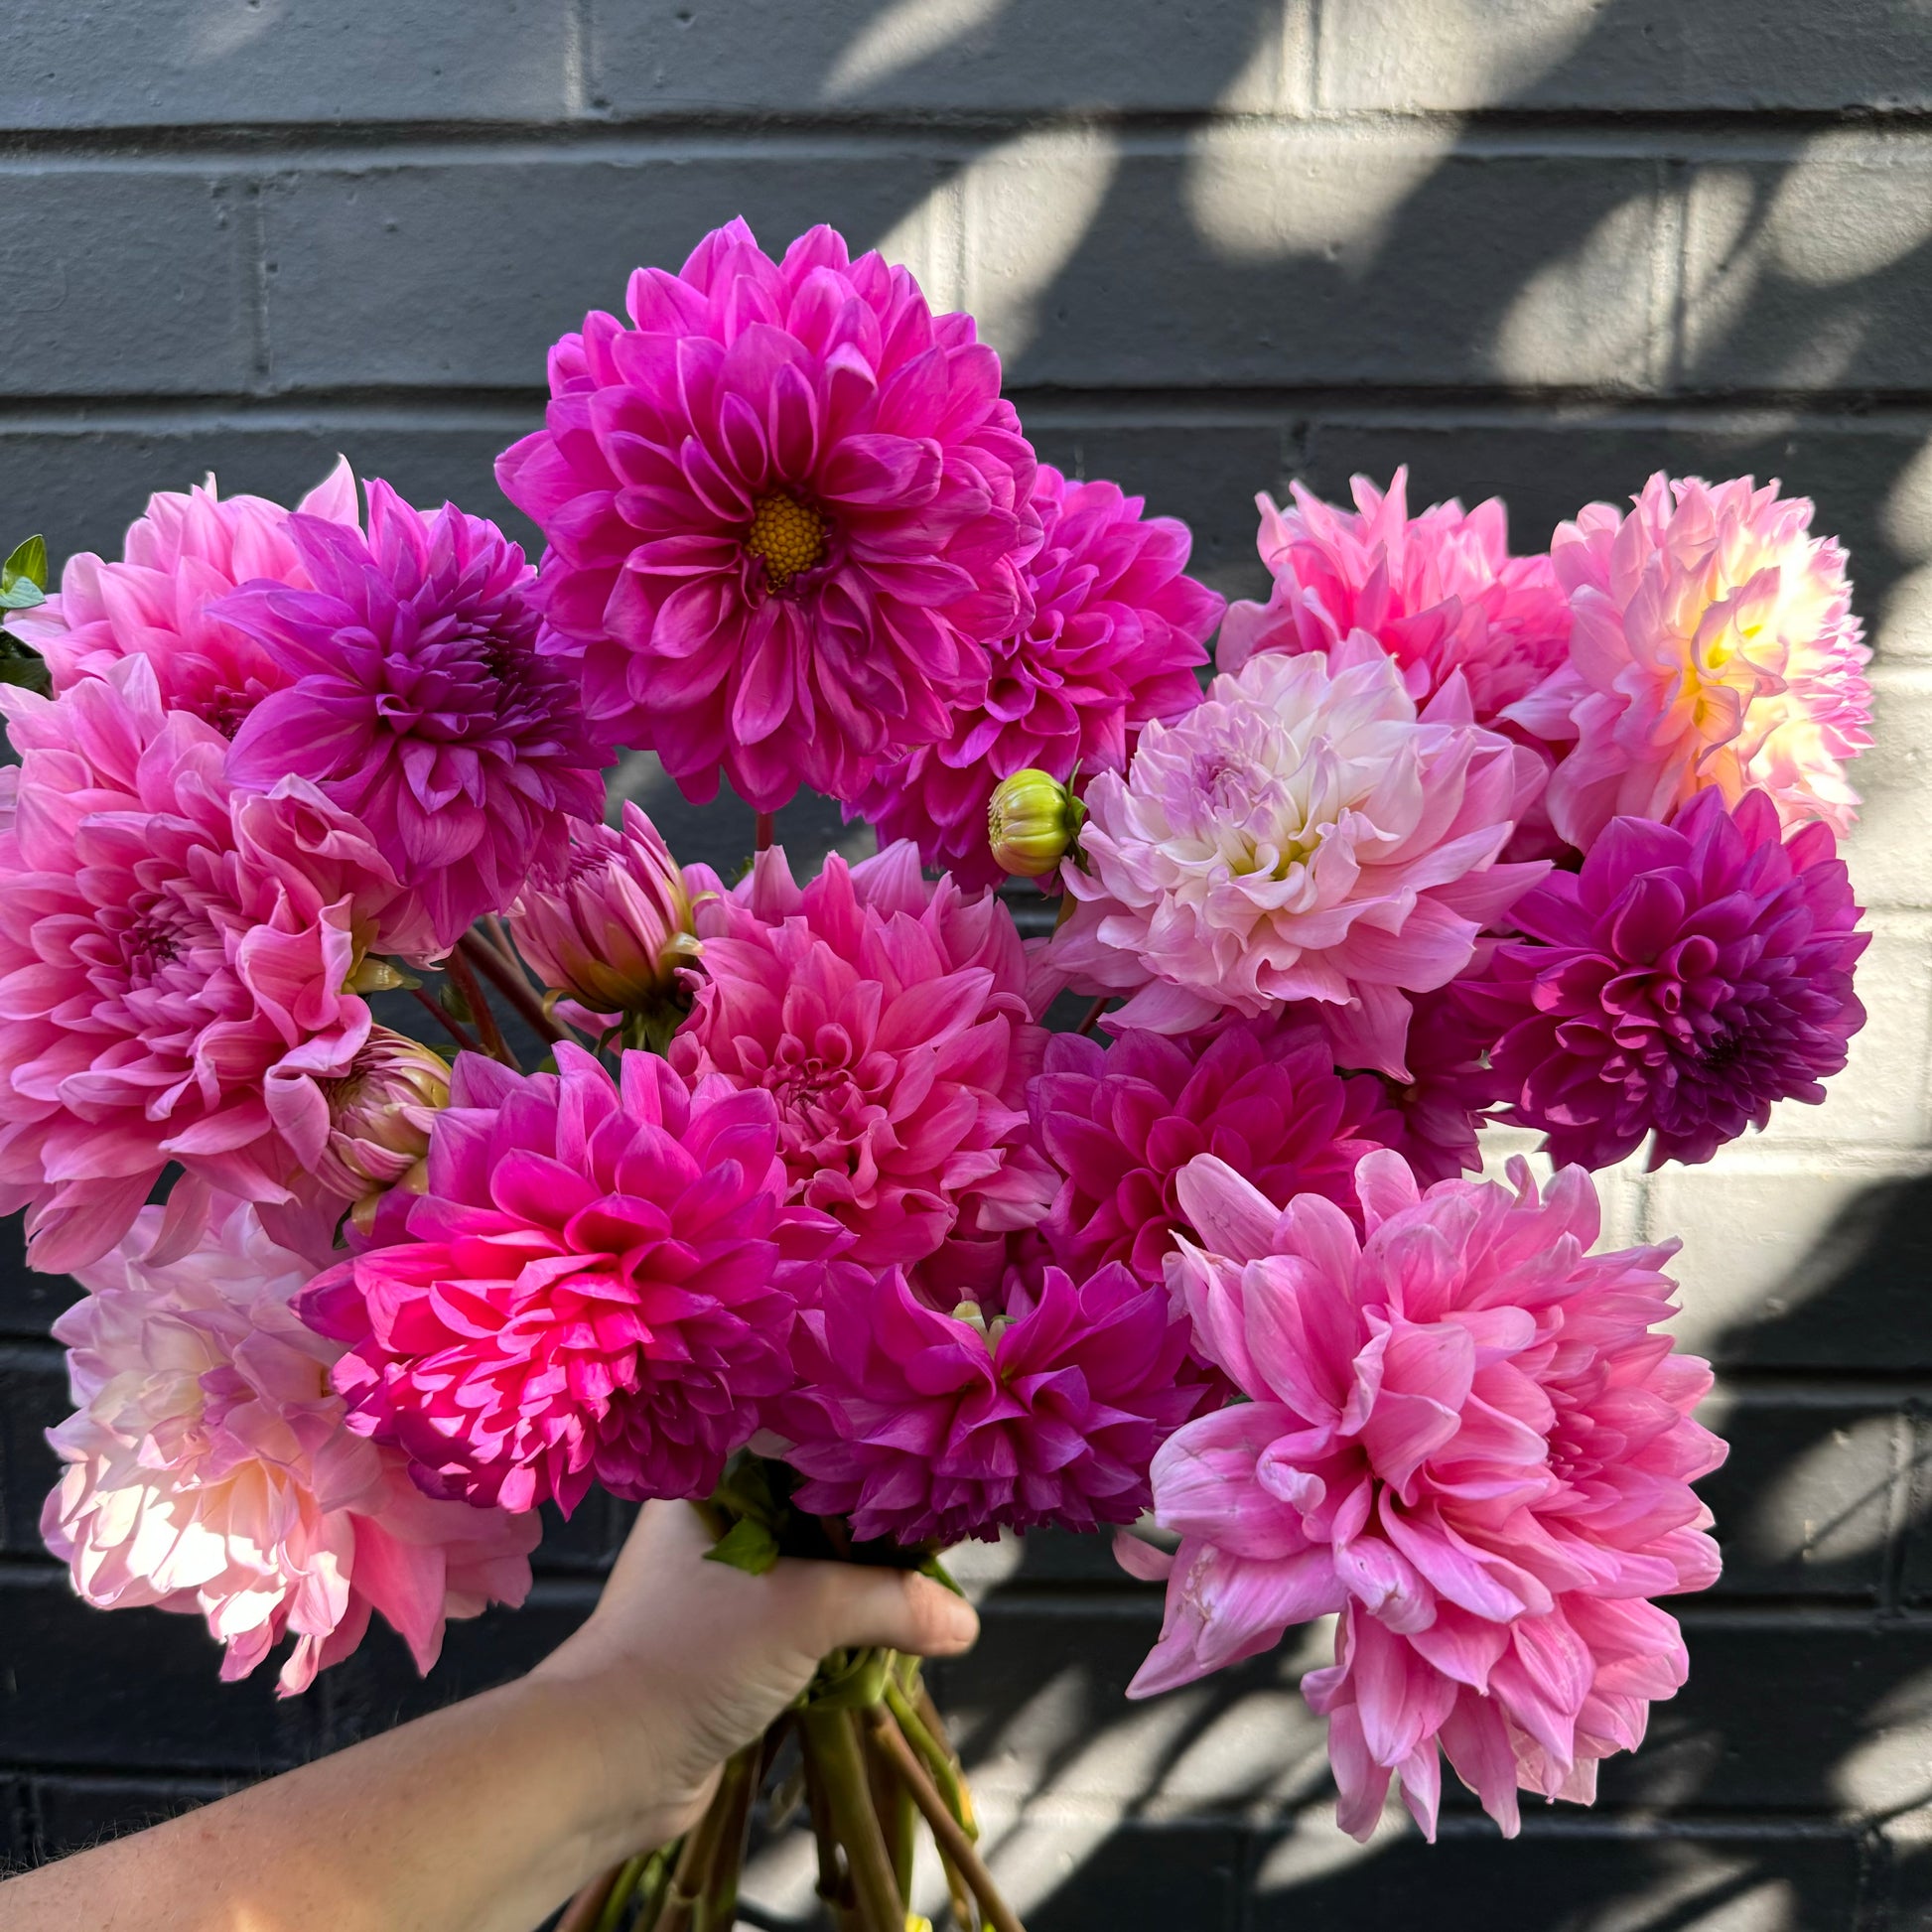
684,1661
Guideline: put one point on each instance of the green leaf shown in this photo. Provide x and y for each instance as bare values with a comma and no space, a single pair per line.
20,595
28,562
745,1546
19,665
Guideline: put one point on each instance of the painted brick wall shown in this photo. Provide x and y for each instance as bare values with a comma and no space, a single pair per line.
1534,246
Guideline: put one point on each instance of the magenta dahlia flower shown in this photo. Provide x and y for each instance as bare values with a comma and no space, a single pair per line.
1117,629
1303,834
208,1470
598,1286
1122,1124
931,1427
414,697
1439,592
1439,1109
170,952
786,512
1714,645
1464,1437
1688,978
187,552
888,1018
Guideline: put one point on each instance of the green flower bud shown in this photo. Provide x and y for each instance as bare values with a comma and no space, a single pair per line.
1032,822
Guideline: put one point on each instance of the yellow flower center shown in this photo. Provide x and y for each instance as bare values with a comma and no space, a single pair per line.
787,536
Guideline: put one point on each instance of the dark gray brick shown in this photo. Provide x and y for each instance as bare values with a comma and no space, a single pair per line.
369,266
29,1302
1647,54
124,280
134,1689
676,56
33,1398
72,1814
177,63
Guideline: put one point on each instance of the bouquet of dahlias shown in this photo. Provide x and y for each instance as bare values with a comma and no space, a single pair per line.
805,1214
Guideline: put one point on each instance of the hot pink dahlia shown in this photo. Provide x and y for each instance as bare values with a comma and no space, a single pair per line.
1302,835
1122,1124
888,1018
170,952
1714,645
1117,629
187,552
415,697
1688,978
787,512
1439,592
1438,1110
1464,1437
931,1427
598,1286
209,1470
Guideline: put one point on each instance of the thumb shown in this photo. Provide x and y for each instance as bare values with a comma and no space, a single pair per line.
893,1610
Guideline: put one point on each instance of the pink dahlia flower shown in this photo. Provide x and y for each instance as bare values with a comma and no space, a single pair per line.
1122,1124
1439,592
170,955
1439,1108
209,1470
187,552
786,512
888,1020
1117,629
598,1286
931,1427
1464,1437
1302,835
415,697
1687,979
1714,645
607,919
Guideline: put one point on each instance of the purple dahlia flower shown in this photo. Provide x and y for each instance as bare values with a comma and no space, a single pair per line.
1686,979
418,702
787,510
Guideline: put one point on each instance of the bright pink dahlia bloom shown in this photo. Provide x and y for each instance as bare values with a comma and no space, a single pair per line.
1303,834
1688,978
931,1427
1439,592
1714,645
607,920
1117,629
187,551
598,1286
415,697
1122,1124
786,512
209,1470
171,954
1464,1437
888,1018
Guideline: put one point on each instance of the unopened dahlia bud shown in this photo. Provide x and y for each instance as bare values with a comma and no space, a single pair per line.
609,924
379,1116
1031,823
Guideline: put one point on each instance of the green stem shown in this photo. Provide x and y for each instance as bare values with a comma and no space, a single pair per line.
938,1765
456,966
717,1910
620,1893
511,984
691,1879
840,1764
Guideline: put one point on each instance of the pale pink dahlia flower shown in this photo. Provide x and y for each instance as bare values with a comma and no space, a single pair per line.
1439,592
171,953
607,920
415,697
188,550
1714,646
598,1285
1302,835
888,1018
1689,978
786,512
1465,1439
1117,629
1122,1125
1044,1406
209,1470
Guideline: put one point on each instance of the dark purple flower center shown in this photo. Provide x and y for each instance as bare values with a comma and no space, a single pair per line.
787,536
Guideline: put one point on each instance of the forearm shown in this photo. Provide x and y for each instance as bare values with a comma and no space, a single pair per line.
481,1818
